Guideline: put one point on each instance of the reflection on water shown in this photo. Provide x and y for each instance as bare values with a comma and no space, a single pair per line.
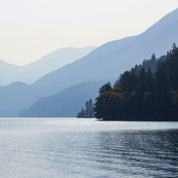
143,153
88,149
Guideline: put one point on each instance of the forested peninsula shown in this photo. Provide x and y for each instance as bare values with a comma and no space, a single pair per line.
148,92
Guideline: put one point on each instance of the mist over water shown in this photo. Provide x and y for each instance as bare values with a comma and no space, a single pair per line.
53,147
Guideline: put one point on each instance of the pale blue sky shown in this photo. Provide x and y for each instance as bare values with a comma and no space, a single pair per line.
30,29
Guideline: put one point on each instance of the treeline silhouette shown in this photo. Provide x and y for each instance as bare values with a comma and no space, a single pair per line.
87,112
148,92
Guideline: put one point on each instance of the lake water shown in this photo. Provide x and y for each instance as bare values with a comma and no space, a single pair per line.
69,147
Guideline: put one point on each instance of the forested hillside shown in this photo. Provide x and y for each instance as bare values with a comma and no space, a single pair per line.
143,93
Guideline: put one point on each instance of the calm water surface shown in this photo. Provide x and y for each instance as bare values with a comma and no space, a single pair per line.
56,147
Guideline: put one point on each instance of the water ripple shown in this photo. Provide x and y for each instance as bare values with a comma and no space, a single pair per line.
43,151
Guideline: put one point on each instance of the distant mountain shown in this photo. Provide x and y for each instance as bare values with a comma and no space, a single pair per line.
7,71
13,98
104,63
67,103
33,71
111,59
70,101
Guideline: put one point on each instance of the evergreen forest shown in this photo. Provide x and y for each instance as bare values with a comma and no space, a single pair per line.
87,112
148,92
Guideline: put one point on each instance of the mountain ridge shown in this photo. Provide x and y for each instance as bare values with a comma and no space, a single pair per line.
46,64
124,53
104,63
65,103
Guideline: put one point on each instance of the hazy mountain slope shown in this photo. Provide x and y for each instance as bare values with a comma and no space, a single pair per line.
109,60
51,62
13,98
31,72
104,63
7,71
66,103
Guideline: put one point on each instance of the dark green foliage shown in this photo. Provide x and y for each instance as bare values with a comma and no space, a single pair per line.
105,88
88,111
130,76
146,92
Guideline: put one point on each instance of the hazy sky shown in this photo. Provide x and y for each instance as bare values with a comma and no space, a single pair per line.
30,29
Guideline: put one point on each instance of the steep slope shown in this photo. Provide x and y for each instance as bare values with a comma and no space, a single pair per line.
113,58
33,71
67,103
